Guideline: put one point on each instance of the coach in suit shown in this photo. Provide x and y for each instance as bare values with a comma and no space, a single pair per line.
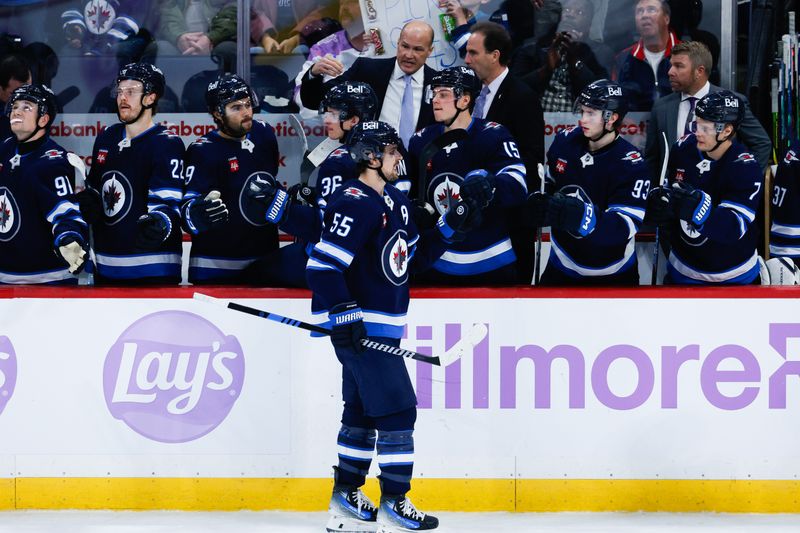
399,83
510,102
674,114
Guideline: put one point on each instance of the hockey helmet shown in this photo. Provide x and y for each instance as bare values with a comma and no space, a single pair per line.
368,139
604,95
228,88
721,108
461,79
351,99
149,75
36,93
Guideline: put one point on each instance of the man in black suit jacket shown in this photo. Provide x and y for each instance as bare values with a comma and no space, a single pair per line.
385,76
510,102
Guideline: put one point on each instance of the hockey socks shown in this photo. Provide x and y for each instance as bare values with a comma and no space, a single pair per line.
355,447
396,460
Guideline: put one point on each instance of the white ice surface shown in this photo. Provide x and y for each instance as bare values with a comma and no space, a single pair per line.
259,522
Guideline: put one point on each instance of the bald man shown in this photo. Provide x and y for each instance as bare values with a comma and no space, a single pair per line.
399,82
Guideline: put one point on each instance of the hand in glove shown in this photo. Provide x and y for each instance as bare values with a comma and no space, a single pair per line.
536,209
271,200
659,211
91,205
72,249
690,204
347,327
478,189
152,230
424,214
304,194
571,214
203,215
459,219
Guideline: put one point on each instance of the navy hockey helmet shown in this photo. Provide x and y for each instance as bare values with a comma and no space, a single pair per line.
604,95
721,108
461,79
368,139
351,99
36,93
226,89
149,75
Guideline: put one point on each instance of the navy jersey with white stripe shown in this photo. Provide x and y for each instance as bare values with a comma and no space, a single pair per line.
488,146
37,208
615,180
723,250
228,165
363,255
135,176
784,239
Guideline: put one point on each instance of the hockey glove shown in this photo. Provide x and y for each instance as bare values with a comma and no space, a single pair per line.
303,194
536,210
91,205
690,204
571,214
424,214
459,219
347,327
72,249
659,211
272,201
152,230
478,189
203,215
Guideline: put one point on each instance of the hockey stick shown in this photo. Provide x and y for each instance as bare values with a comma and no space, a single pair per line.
475,335
80,181
445,139
306,167
661,182
536,267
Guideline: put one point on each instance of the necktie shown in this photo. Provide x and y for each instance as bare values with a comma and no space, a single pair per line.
480,102
688,127
407,112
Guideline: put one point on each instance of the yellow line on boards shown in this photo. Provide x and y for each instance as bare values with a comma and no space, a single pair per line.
485,495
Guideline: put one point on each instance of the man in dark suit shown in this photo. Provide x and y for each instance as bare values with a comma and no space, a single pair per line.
510,102
399,83
674,114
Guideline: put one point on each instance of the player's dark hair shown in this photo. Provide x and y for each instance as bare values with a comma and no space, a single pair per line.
495,37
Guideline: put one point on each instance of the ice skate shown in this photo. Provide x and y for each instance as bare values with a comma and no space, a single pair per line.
351,511
397,514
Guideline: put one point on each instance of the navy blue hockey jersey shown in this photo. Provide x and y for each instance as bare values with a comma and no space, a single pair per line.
784,232
37,208
363,255
615,180
136,176
226,165
491,147
723,250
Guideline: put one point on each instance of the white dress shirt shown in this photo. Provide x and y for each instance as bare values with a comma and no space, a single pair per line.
683,108
390,111
494,86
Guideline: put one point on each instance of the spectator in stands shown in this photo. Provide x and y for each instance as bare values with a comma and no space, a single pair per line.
571,61
510,102
185,25
642,68
284,19
516,16
398,82
341,49
14,72
97,28
674,114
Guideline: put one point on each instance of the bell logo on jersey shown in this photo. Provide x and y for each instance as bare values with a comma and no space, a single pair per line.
233,162
395,258
444,190
8,371
10,219
117,195
633,157
561,165
101,157
173,376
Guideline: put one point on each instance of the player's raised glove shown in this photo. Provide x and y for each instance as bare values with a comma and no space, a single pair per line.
72,249
91,205
457,222
536,210
206,214
424,214
477,190
271,201
347,327
659,211
690,204
152,230
303,194
571,214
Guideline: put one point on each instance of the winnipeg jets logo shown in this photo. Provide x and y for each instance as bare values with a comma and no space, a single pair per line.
491,126
52,154
117,197
248,145
633,157
354,192
395,258
446,191
339,152
587,160
690,235
790,156
10,221
99,16
15,161
746,158
251,211
704,166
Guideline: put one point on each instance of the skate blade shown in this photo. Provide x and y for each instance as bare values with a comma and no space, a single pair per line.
343,524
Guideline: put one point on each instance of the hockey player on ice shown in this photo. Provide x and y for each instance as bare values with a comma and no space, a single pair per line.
38,212
596,190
